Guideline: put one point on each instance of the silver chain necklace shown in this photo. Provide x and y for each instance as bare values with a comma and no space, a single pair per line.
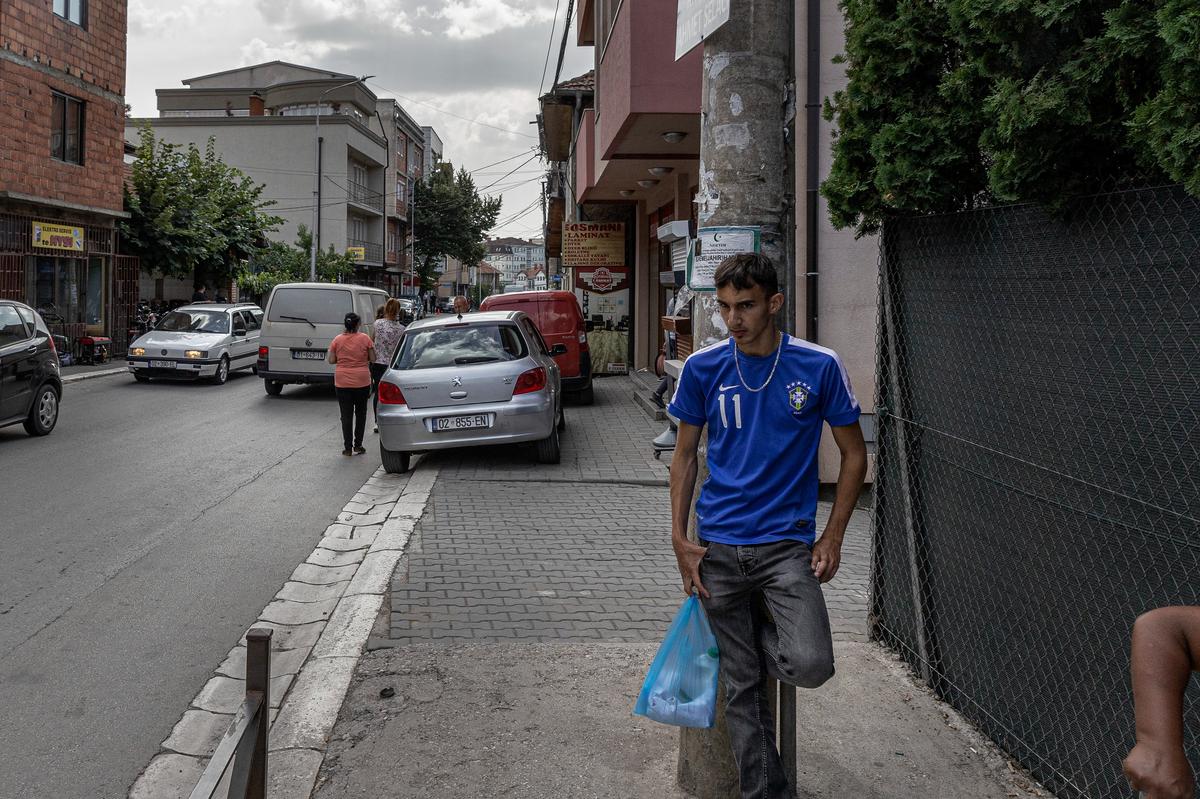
738,364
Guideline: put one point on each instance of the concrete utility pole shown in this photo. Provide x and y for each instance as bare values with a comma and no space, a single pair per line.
745,179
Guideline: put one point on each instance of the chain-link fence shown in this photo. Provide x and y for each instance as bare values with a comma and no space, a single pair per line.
1038,479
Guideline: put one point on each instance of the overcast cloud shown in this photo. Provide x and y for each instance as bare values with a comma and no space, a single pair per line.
479,59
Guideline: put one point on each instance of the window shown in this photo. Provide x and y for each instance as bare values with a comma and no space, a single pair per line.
194,321
318,306
66,128
12,329
433,348
73,10
252,322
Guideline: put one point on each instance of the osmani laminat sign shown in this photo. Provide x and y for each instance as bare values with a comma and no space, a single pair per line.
596,253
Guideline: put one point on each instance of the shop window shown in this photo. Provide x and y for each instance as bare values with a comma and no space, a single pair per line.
72,10
94,298
61,289
66,128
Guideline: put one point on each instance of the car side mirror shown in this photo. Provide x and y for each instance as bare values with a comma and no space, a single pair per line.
239,332
558,349
589,326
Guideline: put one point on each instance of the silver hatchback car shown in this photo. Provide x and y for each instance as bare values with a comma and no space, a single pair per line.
466,381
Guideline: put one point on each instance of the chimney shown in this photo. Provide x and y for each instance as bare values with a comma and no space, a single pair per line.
257,106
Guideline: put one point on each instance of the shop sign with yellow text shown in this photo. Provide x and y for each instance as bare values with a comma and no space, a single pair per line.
57,237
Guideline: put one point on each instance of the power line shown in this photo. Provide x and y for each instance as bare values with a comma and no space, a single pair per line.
450,113
478,170
497,180
549,44
562,50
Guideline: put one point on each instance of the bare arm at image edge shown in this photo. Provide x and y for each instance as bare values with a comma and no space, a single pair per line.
827,551
683,488
1165,650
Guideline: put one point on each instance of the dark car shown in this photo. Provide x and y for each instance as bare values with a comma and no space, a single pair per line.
30,386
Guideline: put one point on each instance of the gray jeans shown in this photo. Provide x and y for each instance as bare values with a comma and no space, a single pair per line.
768,613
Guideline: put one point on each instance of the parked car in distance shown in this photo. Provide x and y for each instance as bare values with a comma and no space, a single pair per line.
202,340
557,316
488,378
30,383
410,309
301,321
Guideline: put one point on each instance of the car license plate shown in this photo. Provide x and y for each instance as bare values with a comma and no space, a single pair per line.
443,423
308,355
162,364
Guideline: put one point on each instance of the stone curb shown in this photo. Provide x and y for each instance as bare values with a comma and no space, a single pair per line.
89,375
322,618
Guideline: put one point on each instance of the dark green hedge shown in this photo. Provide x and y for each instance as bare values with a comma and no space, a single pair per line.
955,102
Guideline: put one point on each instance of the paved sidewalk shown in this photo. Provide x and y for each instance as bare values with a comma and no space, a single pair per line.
523,616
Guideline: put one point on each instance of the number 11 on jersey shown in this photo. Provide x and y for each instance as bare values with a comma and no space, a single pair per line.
737,411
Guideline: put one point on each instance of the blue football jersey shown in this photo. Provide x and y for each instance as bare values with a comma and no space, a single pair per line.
762,445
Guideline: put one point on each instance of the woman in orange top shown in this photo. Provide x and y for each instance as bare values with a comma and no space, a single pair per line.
351,354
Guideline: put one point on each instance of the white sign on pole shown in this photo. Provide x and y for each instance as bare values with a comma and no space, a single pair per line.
713,246
696,19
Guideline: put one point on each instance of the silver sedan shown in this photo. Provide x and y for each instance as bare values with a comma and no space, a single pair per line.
466,381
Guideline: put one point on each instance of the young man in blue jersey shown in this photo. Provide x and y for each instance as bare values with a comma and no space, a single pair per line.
759,564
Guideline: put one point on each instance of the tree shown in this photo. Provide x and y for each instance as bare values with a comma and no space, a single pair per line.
951,104
192,215
450,218
283,263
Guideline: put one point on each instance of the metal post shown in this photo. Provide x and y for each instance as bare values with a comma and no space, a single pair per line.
316,231
745,180
258,679
899,436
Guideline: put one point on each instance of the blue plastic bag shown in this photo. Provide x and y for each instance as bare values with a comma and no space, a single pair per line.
681,685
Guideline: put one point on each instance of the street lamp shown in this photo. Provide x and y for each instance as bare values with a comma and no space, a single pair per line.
312,261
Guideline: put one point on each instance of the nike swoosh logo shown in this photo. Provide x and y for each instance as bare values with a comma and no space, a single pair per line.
729,388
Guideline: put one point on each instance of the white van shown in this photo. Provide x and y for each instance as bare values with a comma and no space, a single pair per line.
300,321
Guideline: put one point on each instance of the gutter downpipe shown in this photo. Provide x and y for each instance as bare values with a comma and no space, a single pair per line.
812,107
387,159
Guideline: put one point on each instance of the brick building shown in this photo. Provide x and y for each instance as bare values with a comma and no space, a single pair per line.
62,79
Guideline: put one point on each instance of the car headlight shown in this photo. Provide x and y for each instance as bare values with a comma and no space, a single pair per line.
137,351
196,354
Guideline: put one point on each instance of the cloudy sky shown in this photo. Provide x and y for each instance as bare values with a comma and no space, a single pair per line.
458,65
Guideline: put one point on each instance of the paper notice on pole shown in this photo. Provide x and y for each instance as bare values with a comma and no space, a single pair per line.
713,245
696,19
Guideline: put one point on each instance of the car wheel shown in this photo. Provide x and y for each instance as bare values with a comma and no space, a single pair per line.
253,370
44,413
274,387
587,396
562,419
140,378
222,371
548,450
394,462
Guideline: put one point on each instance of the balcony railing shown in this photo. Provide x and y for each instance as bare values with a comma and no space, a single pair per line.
373,251
362,195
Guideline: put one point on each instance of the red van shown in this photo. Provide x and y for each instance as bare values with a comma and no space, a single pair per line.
560,321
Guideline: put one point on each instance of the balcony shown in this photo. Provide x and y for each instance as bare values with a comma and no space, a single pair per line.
642,91
362,196
373,250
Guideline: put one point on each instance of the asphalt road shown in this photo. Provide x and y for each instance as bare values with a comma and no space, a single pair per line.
139,540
